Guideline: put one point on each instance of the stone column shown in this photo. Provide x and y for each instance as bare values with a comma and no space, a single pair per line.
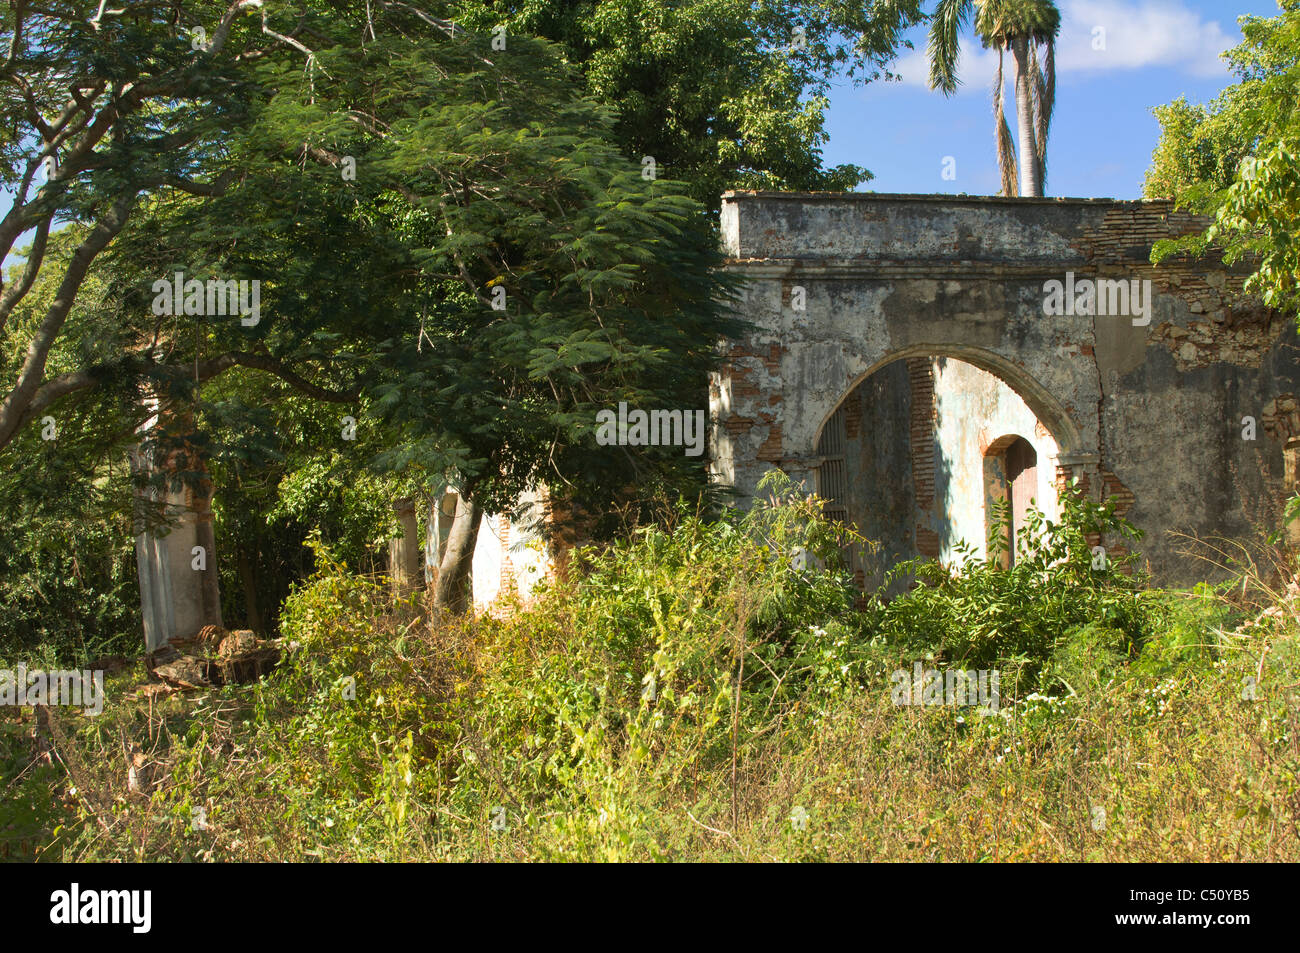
404,552
176,559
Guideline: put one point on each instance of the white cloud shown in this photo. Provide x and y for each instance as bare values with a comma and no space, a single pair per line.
1138,34
976,66
1152,33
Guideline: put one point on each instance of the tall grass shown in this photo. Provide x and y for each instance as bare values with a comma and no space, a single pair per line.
707,691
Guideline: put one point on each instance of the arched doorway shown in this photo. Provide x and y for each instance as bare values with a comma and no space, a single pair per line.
915,454
1010,475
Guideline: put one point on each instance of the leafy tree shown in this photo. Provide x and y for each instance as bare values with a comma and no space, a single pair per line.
450,248
287,485
68,583
1200,149
720,93
103,112
1237,159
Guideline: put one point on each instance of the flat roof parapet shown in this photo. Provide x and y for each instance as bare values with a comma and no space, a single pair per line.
847,227
934,197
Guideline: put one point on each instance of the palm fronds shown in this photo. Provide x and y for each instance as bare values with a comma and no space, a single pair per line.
1006,150
943,47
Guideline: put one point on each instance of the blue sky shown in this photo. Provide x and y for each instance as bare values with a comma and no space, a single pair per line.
1103,132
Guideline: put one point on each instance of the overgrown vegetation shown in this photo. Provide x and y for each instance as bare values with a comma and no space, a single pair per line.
1234,159
707,690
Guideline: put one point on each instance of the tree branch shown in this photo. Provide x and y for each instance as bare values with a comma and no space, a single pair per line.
72,381
13,409
34,259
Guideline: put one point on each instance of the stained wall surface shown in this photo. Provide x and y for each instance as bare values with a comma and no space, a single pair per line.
1145,409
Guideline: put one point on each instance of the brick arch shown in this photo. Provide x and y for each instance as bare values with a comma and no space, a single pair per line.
1000,445
1049,411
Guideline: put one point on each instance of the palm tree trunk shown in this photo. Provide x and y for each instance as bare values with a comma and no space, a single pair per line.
1030,181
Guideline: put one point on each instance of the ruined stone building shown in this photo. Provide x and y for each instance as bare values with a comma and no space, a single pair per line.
907,364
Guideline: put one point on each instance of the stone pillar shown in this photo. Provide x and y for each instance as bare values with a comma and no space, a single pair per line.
404,552
176,558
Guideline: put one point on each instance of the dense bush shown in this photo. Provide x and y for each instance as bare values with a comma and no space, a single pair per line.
69,590
706,689
1058,598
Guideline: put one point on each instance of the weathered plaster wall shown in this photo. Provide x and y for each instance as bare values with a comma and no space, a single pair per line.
1150,415
973,409
508,556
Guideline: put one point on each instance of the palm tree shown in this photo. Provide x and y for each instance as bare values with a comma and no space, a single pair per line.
1021,26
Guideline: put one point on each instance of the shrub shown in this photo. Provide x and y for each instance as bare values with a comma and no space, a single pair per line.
665,655
1023,619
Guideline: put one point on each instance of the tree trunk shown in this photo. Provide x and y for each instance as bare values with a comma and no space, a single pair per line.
21,402
1031,184
451,592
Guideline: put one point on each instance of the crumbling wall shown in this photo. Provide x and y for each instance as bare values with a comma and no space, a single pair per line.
1145,409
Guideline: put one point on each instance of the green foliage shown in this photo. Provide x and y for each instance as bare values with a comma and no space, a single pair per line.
672,649
721,93
693,692
1190,631
1024,620
1028,28
68,585
288,478
1200,148
1236,160
478,171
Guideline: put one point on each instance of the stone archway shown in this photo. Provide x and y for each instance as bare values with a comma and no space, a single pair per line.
837,286
915,455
